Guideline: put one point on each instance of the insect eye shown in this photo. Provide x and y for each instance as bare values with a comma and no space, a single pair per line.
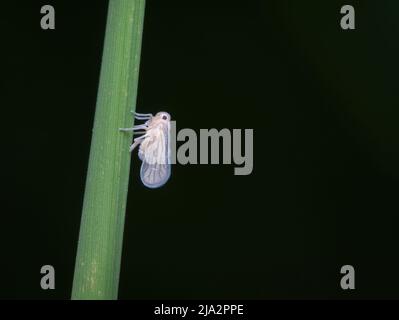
164,117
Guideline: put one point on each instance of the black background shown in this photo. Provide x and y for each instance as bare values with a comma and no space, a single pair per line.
323,105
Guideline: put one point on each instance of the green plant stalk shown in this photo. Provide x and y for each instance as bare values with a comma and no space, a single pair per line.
99,252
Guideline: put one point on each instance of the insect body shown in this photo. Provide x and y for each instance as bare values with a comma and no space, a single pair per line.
154,148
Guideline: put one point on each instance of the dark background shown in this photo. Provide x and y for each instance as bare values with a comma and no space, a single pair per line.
323,104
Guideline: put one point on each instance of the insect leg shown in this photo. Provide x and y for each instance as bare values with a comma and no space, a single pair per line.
142,116
141,126
136,142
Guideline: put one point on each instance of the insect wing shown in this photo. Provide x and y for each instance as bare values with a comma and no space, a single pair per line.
155,154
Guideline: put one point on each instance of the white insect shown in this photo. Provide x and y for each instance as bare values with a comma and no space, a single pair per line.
154,150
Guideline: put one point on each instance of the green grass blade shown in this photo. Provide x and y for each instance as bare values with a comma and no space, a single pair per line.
99,252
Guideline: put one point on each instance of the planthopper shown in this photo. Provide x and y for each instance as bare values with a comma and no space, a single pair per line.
154,147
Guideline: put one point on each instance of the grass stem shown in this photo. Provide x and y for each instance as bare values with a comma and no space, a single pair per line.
99,251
